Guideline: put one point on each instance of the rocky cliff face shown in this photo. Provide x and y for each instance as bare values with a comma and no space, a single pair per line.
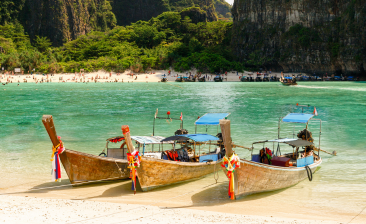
64,20
325,36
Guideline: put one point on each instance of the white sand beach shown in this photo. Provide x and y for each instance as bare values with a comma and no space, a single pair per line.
198,201
127,76
39,210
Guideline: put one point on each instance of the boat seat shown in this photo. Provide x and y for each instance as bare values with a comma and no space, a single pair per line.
209,157
280,161
305,161
117,153
155,155
256,158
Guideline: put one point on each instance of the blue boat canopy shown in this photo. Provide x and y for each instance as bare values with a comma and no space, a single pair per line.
211,118
297,118
194,137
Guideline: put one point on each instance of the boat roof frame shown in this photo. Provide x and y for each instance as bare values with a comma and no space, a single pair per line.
288,141
307,123
218,122
139,140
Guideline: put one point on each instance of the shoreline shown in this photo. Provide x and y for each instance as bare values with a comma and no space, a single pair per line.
127,77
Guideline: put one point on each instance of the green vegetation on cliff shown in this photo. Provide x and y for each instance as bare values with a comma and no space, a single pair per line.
170,39
128,12
65,20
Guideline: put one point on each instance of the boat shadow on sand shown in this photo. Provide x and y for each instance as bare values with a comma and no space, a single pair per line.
218,195
58,186
125,189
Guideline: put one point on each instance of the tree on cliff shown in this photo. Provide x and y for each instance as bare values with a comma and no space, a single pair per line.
9,10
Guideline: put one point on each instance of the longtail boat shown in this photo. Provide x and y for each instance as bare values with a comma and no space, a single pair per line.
269,171
288,81
194,158
111,164
157,172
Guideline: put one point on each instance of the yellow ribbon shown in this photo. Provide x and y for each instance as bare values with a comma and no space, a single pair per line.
54,149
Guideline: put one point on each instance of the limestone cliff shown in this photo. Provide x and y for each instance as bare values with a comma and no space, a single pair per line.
64,20
301,35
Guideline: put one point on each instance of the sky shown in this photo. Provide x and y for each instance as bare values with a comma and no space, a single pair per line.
230,1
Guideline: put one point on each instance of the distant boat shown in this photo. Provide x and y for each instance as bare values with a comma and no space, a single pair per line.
185,79
246,79
266,173
288,81
164,80
273,79
202,79
218,78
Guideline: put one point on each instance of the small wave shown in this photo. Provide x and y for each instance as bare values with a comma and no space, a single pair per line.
313,87
321,87
354,89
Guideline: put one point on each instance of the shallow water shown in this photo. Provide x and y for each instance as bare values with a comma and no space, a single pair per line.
85,115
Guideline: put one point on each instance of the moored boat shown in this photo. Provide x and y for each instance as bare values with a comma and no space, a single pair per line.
218,78
288,81
111,164
157,172
255,177
269,170
185,79
83,167
194,158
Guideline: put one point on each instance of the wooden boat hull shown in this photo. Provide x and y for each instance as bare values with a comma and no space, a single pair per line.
154,173
84,168
289,83
253,177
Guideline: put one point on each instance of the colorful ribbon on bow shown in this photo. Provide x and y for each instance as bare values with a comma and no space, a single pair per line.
231,164
134,160
55,159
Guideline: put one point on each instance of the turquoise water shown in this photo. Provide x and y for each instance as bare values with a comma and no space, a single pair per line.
85,115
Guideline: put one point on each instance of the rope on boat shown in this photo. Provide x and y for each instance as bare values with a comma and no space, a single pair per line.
216,173
120,170
310,176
